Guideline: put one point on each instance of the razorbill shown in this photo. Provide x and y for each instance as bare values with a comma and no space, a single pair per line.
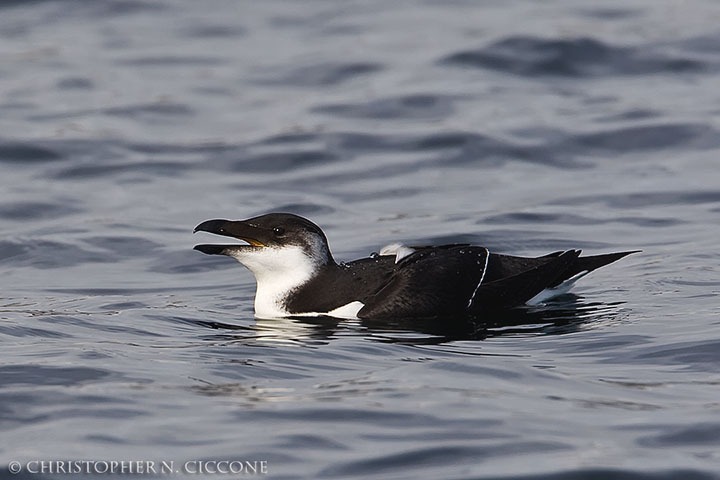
297,276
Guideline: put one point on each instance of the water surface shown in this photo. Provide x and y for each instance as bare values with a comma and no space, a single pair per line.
526,127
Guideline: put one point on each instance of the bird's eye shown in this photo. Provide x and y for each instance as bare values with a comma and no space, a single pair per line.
279,231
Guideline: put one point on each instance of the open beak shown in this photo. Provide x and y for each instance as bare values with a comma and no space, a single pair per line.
229,228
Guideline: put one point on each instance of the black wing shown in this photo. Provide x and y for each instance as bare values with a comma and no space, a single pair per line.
517,288
338,285
502,266
430,282
447,280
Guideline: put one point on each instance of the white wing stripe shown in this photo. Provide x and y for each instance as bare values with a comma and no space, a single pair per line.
482,277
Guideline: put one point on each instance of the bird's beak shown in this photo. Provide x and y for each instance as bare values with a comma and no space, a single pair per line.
229,228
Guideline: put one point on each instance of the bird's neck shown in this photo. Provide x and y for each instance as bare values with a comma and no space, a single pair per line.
276,285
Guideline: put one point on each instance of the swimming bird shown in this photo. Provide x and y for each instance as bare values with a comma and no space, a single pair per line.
297,275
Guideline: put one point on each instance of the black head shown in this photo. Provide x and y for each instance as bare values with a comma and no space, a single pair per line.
271,231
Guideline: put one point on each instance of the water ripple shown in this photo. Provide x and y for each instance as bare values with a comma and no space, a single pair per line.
699,434
171,61
27,210
162,109
12,152
646,199
81,171
620,474
430,106
571,57
42,375
647,137
513,218
319,75
438,457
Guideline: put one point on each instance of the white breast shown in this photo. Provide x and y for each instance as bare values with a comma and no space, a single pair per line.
277,271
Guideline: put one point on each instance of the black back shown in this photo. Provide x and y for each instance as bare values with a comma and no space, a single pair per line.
430,282
442,281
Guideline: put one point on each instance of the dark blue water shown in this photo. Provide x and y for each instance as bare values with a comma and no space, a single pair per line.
524,126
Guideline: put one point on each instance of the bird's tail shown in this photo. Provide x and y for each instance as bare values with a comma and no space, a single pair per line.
584,265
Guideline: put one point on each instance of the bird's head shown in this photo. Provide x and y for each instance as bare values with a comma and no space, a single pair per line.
277,245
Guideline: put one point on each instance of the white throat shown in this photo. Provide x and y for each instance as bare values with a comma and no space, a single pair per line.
278,271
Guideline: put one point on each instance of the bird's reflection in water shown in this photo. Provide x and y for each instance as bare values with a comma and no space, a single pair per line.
565,314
